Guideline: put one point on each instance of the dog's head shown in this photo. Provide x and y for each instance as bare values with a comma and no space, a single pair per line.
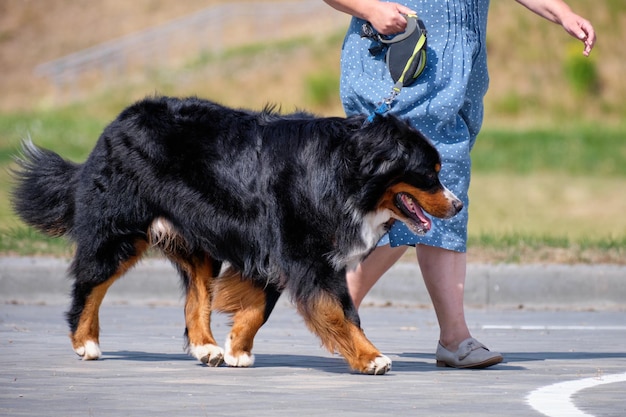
399,171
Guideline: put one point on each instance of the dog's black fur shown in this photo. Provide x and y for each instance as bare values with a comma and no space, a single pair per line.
289,201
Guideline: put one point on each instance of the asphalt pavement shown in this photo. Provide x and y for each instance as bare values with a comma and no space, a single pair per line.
564,350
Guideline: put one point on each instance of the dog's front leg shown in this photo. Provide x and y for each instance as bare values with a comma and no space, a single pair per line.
338,328
250,306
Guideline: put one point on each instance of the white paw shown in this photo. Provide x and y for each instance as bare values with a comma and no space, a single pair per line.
89,351
379,366
241,361
210,355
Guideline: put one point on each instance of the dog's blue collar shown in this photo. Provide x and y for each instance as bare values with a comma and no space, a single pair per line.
385,105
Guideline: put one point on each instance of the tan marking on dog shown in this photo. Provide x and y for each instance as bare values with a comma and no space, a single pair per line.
238,296
199,298
324,316
88,330
202,345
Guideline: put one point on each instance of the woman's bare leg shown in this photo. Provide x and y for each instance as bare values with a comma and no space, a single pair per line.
363,278
444,274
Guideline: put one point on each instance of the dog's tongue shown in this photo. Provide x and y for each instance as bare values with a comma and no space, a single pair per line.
414,208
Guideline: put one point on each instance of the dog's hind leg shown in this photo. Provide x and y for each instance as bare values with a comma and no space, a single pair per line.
197,272
325,316
250,306
92,282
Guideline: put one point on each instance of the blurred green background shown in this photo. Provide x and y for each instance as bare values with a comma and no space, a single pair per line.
549,182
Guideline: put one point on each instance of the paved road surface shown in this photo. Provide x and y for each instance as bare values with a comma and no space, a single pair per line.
558,362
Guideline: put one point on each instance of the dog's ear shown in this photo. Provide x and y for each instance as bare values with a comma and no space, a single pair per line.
379,145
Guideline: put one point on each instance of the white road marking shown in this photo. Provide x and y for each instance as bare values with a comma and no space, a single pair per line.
532,327
556,400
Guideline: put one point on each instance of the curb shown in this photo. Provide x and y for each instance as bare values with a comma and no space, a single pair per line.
508,285
45,280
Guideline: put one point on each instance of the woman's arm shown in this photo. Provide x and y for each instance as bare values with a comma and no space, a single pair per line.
559,12
385,17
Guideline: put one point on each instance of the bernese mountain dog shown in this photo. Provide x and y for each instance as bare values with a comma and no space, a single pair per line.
245,204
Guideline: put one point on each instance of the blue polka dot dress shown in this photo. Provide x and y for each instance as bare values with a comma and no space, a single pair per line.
445,103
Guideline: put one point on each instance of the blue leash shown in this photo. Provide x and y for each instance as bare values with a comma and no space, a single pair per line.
385,105
381,110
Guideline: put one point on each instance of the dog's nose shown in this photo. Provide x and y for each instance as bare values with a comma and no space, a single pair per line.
458,205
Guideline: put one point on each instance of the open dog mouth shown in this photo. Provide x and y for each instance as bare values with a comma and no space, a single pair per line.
419,223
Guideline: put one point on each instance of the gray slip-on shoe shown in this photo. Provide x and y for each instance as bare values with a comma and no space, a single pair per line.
470,354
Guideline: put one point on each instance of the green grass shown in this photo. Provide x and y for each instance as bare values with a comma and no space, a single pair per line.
70,131
526,185
533,191
539,242
595,151
24,241
322,88
536,248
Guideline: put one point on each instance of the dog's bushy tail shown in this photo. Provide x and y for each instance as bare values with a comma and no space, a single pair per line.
43,196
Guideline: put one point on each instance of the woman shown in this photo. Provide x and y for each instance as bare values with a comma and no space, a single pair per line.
446,104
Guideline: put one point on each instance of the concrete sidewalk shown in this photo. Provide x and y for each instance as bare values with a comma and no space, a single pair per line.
144,371
44,280
567,357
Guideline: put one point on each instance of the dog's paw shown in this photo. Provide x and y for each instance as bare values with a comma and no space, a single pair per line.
237,359
379,366
89,351
208,354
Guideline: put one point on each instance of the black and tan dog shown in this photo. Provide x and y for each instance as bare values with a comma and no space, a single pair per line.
285,202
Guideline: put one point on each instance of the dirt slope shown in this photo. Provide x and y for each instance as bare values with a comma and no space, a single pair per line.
36,31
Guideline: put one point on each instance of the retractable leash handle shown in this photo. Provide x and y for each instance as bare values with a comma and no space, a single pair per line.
405,57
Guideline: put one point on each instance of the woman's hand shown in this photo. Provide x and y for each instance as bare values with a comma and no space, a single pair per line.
581,29
558,11
386,18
